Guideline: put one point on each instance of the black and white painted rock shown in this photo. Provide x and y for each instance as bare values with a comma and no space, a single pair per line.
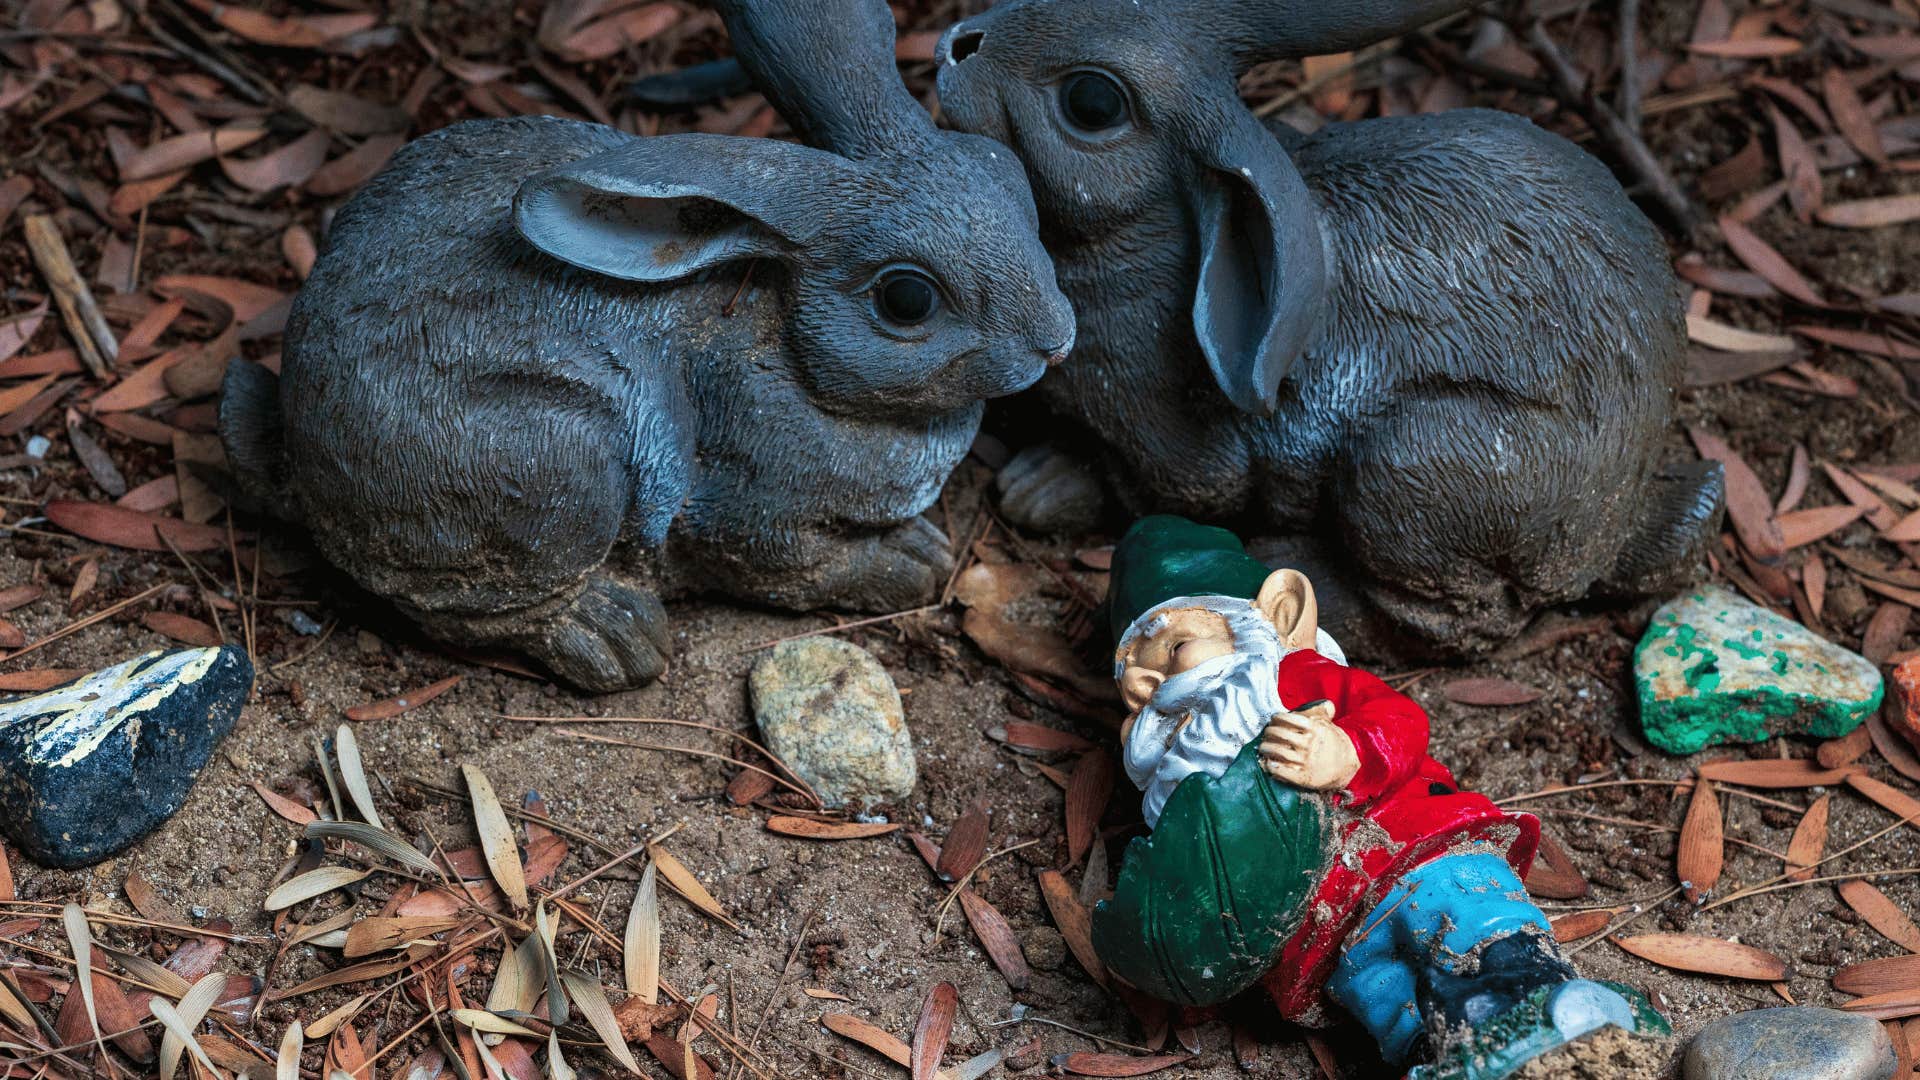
90,767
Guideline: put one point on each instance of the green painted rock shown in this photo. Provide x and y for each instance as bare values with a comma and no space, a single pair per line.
1714,668
1205,905
831,712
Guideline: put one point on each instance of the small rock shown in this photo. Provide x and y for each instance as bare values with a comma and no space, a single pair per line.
830,711
1714,668
1045,949
1906,679
1791,1044
88,768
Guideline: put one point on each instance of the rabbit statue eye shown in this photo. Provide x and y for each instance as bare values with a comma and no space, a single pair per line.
905,297
1093,101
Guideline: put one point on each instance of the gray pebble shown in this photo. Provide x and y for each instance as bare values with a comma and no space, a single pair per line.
1791,1044
832,713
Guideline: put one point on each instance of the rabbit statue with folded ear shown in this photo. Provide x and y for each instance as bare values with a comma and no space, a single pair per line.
545,371
1436,354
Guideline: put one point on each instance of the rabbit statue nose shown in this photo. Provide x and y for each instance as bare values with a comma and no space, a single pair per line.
957,44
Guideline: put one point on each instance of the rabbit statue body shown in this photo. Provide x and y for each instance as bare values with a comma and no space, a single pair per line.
545,371
1437,354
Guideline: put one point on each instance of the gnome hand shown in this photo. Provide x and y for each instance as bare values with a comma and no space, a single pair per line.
1306,749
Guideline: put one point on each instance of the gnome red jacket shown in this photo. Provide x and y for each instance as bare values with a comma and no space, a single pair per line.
1402,810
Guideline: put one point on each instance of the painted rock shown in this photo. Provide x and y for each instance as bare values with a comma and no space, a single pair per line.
1714,668
830,711
88,768
1906,719
1791,1044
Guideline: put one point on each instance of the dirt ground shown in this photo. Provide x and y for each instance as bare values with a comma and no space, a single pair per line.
859,918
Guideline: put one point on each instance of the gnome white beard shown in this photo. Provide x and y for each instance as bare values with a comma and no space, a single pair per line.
1229,699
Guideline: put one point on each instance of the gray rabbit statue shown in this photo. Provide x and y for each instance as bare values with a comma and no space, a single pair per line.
1435,355
545,372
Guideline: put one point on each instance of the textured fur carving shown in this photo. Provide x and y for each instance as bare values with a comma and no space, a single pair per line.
1451,339
533,344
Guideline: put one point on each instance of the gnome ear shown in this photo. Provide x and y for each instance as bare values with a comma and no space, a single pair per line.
1286,599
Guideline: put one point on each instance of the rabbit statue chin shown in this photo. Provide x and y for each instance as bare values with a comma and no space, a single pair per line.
545,370
1435,355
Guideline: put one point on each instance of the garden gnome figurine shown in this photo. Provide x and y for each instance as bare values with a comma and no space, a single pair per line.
1303,839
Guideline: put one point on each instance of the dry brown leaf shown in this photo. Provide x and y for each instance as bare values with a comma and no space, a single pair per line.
496,837
1747,501
1776,773
347,114
1892,799
1088,1063
1717,335
1850,115
1042,738
311,884
1702,851
1879,514
104,523
181,628
1845,750
1802,170
1798,528
1581,924
1862,341
874,1038
34,680
1073,921
641,945
1707,955
934,1028
1489,692
683,882
997,937
382,933
679,1059
14,397
1553,875
1809,841
295,32
815,829
1896,750
19,596
1885,631
1881,913
289,166
1762,259
353,168
1089,787
1885,976
965,846
1892,1006
6,875
283,806
298,247
247,299
184,151
1872,213
391,707
1755,48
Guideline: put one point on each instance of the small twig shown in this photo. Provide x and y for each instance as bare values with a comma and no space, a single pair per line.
1571,88
770,755
1029,1018
82,624
1629,98
1613,927
1589,787
838,627
1751,890
587,736
799,940
92,337
325,633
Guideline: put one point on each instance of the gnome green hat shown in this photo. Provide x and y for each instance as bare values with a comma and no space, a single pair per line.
1164,557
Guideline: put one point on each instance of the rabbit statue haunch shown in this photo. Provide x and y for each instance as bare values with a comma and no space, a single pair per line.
1436,353
545,370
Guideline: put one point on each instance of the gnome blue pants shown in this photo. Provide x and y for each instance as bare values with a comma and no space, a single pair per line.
1437,913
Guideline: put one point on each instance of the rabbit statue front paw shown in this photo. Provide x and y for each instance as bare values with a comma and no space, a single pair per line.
613,636
1046,490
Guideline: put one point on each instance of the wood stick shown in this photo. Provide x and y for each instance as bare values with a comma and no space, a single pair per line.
91,335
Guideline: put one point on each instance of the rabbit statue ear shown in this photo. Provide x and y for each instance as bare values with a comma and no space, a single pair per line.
660,209
1262,265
